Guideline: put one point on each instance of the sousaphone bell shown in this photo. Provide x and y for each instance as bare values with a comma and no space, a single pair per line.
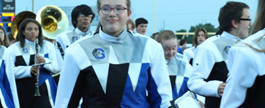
53,21
18,19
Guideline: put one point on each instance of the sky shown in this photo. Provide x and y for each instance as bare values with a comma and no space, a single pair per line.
161,14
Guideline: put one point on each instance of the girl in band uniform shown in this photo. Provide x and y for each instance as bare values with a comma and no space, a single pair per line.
114,68
8,96
200,36
3,36
20,61
178,67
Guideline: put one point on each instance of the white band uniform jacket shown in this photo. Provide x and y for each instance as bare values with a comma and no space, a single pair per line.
189,54
19,61
2,50
8,91
65,39
179,72
245,84
107,71
209,67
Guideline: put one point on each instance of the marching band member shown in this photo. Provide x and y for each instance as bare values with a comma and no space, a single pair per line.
179,69
200,36
8,96
245,84
141,25
130,25
114,68
209,64
2,48
82,16
20,61
3,36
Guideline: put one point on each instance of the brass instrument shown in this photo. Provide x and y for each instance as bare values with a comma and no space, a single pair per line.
37,90
18,19
53,21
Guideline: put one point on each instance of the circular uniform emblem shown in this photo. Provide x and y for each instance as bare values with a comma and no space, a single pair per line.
227,48
74,38
25,50
98,53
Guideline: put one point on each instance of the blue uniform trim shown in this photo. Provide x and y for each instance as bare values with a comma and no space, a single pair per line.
46,55
153,95
45,75
137,98
184,88
5,87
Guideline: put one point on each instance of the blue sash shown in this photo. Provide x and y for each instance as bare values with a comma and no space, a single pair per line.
5,87
45,75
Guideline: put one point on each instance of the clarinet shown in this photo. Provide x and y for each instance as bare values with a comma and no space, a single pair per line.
37,91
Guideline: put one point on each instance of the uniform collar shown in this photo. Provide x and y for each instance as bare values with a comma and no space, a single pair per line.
230,37
79,32
29,42
118,39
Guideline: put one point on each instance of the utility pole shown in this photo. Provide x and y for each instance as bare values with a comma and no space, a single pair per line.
33,6
154,15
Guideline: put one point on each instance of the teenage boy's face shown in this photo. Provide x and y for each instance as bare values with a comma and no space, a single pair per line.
141,28
244,25
83,22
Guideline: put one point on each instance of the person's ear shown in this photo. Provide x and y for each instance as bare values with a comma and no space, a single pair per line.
234,24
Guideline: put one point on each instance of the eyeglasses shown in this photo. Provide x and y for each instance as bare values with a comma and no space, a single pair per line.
83,16
245,19
107,10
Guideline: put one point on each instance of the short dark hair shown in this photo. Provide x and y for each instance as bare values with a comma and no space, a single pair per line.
182,42
21,29
230,11
81,9
139,21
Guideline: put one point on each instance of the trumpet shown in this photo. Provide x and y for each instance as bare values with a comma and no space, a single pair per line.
37,90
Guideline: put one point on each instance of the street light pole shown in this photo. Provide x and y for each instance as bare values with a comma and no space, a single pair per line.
154,15
33,6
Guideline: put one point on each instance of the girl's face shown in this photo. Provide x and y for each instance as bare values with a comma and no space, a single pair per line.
113,15
31,31
200,37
